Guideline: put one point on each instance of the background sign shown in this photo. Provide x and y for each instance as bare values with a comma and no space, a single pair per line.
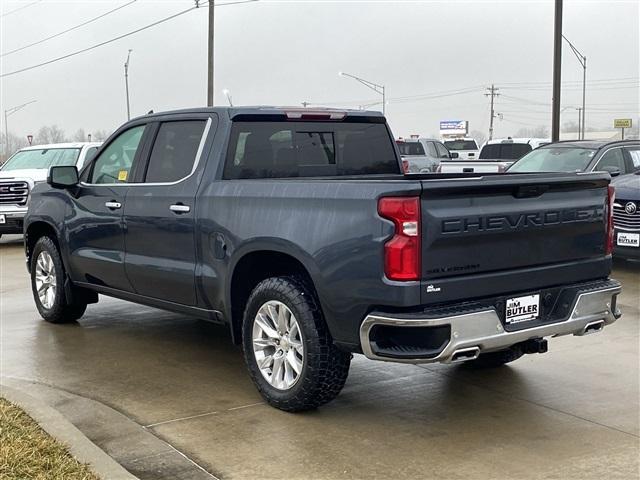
622,123
454,127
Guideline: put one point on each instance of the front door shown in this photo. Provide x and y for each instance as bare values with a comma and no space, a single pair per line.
95,231
160,214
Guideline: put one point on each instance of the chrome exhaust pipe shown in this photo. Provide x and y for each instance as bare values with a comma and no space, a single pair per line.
593,327
465,354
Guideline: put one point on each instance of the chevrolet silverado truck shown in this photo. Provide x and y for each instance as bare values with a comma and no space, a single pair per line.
29,166
297,229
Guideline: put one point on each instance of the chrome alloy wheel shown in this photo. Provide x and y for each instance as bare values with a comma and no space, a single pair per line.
277,345
45,279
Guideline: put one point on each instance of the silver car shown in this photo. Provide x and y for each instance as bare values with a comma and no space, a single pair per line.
422,155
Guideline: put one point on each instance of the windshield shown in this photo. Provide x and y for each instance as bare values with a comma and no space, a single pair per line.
504,151
410,148
558,159
42,159
461,144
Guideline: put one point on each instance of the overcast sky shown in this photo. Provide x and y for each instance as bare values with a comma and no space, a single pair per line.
287,52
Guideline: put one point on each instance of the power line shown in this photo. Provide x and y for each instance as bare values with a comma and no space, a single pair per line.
20,8
119,37
24,47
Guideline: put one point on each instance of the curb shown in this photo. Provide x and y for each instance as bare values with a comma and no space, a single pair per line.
56,425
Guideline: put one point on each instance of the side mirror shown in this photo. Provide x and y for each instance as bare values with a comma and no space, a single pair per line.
613,171
63,176
454,155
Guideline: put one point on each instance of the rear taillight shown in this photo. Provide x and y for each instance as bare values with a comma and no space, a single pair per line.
611,196
402,251
405,166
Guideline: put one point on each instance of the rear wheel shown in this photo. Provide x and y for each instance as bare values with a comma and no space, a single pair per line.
496,359
47,283
288,349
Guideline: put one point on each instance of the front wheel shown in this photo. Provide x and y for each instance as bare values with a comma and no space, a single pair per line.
47,283
288,349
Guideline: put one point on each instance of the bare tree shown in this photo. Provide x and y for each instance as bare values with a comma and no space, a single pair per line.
52,134
100,135
15,143
79,136
570,127
541,131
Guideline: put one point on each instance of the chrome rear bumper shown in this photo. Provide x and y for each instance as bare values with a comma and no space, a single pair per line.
482,331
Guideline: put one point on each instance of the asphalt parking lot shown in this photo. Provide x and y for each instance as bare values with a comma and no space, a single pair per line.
570,413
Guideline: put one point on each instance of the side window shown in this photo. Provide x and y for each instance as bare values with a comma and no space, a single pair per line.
431,150
442,151
113,165
174,151
634,154
612,158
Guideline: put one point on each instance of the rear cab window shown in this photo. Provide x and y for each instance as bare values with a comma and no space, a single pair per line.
504,151
410,148
281,149
455,145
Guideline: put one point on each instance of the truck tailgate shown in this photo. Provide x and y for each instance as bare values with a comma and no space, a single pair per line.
509,233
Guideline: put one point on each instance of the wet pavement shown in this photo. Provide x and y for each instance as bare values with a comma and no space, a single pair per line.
571,413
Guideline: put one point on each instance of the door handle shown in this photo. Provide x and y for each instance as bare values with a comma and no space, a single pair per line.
180,208
113,205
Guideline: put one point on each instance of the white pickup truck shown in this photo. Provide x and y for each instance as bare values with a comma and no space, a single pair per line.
466,148
30,166
495,156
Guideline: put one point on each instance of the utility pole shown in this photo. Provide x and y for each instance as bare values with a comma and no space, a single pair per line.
492,93
126,83
557,72
210,55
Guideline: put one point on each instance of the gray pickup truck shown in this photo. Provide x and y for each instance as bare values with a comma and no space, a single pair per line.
297,229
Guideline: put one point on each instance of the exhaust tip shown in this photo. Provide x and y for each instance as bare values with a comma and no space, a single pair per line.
465,354
593,327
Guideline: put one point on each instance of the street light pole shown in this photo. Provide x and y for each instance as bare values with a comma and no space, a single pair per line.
379,89
583,61
210,55
126,83
7,113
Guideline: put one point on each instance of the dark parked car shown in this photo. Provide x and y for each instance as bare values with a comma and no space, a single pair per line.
619,157
297,229
626,216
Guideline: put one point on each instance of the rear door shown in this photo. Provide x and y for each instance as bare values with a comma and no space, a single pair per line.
95,232
491,235
160,211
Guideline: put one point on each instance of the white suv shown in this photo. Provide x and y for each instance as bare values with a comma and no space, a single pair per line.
29,166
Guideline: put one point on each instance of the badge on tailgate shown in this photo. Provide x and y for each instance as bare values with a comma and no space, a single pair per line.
521,309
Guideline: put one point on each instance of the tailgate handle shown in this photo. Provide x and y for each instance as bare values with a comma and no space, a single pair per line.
467,169
528,191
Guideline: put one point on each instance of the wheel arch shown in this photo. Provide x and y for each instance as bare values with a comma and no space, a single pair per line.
36,230
257,263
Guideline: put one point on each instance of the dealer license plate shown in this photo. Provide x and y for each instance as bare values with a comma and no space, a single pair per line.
521,309
3,219
628,239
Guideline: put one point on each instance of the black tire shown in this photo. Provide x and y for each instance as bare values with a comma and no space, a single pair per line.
496,359
60,311
325,367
